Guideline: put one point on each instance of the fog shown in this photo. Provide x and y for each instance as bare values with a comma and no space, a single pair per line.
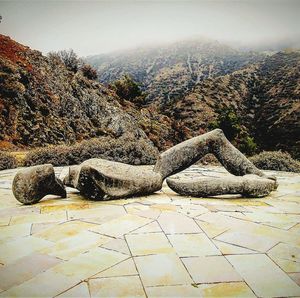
93,27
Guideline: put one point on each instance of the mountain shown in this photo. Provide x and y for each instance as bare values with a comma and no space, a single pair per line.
168,71
43,103
190,85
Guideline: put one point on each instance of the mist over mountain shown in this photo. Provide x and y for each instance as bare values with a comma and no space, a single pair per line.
189,84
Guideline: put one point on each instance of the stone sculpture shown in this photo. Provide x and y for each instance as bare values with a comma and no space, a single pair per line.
32,184
102,179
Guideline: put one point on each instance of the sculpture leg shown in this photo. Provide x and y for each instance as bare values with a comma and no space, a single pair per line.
187,153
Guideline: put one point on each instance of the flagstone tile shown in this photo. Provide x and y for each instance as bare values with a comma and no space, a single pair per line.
21,247
25,269
88,264
18,210
164,207
286,206
263,276
230,249
229,289
285,251
46,284
64,207
211,269
290,198
142,210
182,291
162,270
72,246
122,225
124,286
283,220
191,211
286,265
176,223
192,245
146,244
39,227
248,240
64,230
79,291
226,222
124,268
103,211
295,277
39,218
9,232
152,227
4,221
212,230
295,229
118,245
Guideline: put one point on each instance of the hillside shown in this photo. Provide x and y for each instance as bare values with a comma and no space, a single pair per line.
189,86
42,103
167,72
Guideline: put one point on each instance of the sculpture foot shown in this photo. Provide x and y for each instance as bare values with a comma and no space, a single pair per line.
32,184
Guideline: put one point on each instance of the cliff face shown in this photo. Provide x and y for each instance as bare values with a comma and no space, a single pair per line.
189,85
42,102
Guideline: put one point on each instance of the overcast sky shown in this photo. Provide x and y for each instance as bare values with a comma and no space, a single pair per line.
93,27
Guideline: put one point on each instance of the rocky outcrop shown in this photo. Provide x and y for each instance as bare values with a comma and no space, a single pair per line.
42,102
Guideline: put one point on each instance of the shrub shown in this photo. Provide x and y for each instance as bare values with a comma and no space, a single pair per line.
68,57
229,122
276,160
7,161
126,150
89,72
126,88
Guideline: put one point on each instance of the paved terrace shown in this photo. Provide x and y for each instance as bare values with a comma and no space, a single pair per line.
162,245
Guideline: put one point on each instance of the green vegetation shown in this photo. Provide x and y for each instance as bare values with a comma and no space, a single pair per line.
126,88
276,160
233,129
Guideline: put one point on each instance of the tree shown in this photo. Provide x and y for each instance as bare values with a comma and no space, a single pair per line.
126,88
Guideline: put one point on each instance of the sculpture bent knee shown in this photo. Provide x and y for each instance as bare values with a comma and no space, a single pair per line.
102,179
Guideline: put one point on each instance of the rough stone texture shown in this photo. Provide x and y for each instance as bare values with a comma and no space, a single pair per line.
42,103
100,179
32,184
187,153
248,186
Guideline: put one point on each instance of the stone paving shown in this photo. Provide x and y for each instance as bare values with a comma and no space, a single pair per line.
162,245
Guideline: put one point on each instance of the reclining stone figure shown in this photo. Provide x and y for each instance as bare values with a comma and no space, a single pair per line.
101,179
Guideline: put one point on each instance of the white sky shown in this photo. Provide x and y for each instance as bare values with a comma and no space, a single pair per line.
93,27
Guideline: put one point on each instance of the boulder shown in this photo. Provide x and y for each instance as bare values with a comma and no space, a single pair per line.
30,185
